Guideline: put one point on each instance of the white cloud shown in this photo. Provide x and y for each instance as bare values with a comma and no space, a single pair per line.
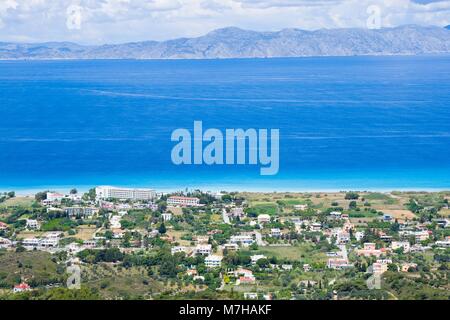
133,20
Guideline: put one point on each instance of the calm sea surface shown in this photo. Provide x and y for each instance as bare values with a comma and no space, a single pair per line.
345,123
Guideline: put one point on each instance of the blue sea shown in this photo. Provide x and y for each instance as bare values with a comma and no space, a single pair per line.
361,123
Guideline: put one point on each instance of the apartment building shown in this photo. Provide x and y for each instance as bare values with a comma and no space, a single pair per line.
183,201
80,212
106,192
213,261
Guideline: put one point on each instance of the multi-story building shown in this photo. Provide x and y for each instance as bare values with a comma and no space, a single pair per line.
369,250
379,268
231,247
203,249
166,217
51,240
275,232
213,261
105,192
183,201
422,235
31,242
33,224
80,212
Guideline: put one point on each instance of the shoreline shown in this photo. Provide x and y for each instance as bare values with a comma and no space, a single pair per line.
31,191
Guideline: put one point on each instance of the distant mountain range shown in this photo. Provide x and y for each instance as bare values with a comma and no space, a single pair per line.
238,43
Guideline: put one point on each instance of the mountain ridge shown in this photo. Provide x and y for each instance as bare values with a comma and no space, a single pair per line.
233,42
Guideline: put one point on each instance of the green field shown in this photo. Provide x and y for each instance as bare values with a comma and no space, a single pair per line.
304,253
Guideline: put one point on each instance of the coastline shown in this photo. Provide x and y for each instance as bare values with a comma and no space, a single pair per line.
31,191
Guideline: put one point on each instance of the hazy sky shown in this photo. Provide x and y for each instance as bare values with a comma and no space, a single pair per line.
114,21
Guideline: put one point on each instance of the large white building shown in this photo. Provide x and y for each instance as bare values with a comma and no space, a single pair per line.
105,192
183,201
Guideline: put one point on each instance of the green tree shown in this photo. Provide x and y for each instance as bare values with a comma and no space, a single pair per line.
162,228
351,196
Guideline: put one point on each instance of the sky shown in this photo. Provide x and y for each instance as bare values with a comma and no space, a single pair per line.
119,21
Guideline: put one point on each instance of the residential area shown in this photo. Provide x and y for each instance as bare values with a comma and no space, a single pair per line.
143,244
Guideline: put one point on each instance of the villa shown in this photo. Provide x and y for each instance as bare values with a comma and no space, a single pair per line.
203,249
369,250
21,288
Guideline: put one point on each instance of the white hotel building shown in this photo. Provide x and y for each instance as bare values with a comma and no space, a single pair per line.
105,192
183,201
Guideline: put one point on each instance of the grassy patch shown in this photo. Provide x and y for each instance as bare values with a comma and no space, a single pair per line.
35,267
23,202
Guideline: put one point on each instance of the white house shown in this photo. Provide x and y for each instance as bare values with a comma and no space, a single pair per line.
5,243
263,218
275,232
359,235
21,288
213,261
166,217
178,249
401,244
244,240
33,224
422,235
257,257
203,249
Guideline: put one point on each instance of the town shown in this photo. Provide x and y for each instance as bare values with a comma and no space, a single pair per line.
141,244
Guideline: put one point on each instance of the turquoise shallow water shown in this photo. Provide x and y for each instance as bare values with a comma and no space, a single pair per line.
345,123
